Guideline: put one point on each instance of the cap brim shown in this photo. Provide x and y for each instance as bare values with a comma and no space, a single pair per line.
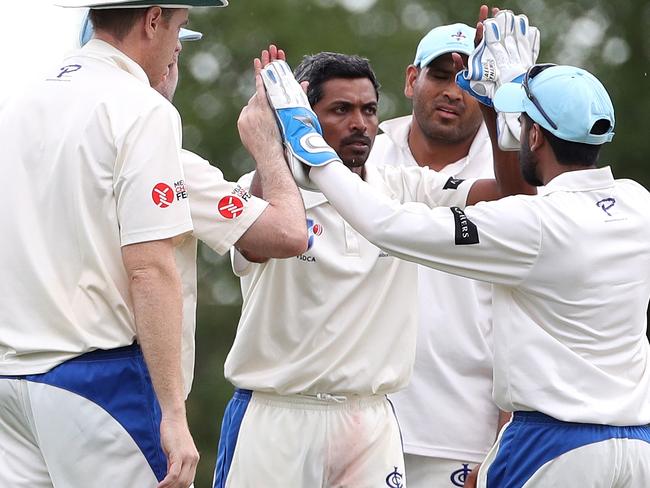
87,33
189,35
437,54
510,98
140,3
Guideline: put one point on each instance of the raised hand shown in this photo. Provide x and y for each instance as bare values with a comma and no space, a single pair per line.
300,130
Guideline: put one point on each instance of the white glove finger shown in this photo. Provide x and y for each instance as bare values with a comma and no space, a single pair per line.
521,33
521,25
534,41
491,31
281,87
508,19
505,19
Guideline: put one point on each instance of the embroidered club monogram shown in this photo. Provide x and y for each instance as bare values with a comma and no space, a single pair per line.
394,479
605,204
71,68
458,36
459,476
230,207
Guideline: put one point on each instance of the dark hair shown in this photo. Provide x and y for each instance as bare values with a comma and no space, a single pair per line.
568,152
120,21
322,67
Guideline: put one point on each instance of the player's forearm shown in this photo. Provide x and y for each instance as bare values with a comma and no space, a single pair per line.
281,229
157,305
280,190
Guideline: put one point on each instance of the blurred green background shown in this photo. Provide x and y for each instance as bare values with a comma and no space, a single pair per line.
608,38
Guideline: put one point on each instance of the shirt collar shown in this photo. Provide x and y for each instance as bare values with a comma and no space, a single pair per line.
98,49
398,131
312,199
582,180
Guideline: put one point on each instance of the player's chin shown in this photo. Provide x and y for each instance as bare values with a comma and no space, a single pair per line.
354,157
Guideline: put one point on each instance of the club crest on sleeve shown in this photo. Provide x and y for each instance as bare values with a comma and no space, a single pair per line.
466,231
230,207
162,195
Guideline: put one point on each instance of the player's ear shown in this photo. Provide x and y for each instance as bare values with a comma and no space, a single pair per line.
153,18
536,137
412,73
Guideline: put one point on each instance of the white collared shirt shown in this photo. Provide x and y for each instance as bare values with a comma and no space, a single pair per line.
93,157
571,284
340,318
447,410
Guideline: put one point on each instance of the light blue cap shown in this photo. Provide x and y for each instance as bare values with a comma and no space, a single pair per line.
87,31
572,98
454,38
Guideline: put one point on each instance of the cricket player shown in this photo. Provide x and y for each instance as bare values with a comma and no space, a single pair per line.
453,360
323,337
571,287
225,214
91,391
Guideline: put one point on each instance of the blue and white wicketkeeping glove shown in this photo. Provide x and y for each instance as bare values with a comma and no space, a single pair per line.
509,47
301,132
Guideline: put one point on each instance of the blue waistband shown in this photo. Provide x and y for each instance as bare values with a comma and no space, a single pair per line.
241,394
131,351
102,354
541,418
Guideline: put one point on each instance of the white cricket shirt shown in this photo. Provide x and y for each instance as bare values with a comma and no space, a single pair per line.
447,411
221,212
342,317
571,284
92,154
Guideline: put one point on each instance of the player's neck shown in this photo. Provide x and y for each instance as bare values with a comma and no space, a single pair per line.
551,170
435,153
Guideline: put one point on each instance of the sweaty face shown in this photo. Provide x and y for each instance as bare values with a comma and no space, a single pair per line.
348,115
443,111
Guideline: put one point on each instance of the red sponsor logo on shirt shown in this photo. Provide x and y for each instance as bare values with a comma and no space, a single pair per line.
162,195
230,207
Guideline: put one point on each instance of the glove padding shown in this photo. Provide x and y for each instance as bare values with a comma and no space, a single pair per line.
508,130
509,47
299,127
